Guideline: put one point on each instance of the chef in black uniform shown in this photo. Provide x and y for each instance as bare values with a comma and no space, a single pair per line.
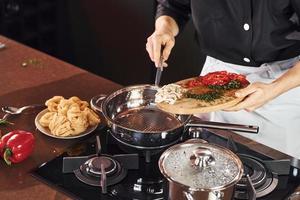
257,38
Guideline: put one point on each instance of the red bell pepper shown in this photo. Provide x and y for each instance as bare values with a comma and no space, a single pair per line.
16,146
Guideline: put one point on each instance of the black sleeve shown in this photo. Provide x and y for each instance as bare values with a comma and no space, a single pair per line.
179,10
296,6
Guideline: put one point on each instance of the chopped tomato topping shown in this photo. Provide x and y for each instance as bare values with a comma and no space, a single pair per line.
239,77
218,78
194,83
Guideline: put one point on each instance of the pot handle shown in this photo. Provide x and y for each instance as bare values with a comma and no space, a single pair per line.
223,126
96,100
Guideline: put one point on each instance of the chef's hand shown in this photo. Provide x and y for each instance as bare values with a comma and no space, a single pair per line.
255,96
163,37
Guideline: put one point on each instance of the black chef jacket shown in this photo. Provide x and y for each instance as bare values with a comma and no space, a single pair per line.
244,32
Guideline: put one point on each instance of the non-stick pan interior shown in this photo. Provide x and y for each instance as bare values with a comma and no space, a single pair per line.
147,119
134,108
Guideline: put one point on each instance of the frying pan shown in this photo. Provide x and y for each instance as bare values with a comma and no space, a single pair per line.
134,119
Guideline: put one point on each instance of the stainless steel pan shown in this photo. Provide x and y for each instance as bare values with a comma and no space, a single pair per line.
134,119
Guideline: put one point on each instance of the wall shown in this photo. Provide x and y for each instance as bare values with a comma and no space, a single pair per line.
109,39
104,37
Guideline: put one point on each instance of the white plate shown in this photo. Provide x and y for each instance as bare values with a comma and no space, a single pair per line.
46,131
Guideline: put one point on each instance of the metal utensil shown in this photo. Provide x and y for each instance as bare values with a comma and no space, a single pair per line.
158,75
5,117
2,46
159,70
224,126
15,111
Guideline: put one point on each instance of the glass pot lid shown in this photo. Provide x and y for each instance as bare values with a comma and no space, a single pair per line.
201,166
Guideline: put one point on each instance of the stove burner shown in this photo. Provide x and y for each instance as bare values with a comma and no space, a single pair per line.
146,153
91,174
256,171
260,178
94,166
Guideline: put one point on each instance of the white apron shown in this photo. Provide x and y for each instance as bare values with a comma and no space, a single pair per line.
278,120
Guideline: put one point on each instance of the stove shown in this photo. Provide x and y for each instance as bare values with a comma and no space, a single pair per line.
99,167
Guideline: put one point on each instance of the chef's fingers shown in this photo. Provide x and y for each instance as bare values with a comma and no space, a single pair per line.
251,109
250,103
246,91
149,48
165,64
157,44
242,93
170,42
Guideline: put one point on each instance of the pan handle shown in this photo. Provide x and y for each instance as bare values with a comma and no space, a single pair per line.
223,126
96,102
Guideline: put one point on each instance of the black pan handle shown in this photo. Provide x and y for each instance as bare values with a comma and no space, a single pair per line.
224,126
96,102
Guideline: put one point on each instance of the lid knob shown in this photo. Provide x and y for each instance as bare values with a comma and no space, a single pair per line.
202,158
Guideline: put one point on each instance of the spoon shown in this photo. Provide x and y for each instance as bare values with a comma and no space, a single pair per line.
15,111
2,46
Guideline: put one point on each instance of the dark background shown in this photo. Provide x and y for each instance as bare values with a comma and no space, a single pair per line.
105,37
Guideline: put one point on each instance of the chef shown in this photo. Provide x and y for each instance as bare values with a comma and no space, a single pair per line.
257,38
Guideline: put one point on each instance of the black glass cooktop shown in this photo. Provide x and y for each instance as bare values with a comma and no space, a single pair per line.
146,182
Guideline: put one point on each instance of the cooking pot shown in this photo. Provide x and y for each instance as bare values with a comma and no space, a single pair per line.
134,119
198,170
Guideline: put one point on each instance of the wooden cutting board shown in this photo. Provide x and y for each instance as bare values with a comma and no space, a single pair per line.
190,106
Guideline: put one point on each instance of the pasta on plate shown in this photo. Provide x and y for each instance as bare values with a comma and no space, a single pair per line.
68,117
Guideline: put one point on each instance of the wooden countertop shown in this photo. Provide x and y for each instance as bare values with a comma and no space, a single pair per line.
28,77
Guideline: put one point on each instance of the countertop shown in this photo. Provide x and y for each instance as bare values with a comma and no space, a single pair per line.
28,76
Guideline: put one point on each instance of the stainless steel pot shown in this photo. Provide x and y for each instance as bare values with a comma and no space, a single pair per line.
198,170
134,119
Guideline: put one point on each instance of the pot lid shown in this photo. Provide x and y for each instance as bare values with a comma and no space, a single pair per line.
201,166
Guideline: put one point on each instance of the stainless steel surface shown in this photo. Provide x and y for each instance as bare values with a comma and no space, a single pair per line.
208,188
147,119
15,110
134,119
178,157
134,108
202,158
224,126
176,192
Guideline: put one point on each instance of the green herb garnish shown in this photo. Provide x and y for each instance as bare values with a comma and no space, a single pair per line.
209,96
4,122
233,84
